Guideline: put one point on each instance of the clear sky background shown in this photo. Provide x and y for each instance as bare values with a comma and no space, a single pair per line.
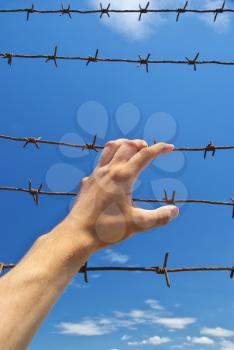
121,311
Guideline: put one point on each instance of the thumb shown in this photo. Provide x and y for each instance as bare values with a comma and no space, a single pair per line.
146,219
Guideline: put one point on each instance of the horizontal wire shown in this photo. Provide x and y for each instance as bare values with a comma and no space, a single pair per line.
109,10
144,269
141,61
35,192
168,200
93,146
164,270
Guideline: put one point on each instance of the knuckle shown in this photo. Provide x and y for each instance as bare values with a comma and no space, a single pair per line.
119,173
102,171
141,143
163,220
132,143
146,151
143,221
116,142
84,180
110,143
161,146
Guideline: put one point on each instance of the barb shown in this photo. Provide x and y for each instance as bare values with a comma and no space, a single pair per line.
107,11
84,270
29,11
143,10
65,11
154,269
210,148
164,270
220,10
34,191
38,191
6,266
232,200
181,10
194,61
93,58
52,57
146,61
167,199
93,146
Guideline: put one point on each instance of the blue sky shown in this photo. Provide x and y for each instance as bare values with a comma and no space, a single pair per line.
172,103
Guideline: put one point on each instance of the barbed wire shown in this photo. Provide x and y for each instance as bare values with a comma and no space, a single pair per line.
36,192
36,141
96,58
107,11
163,270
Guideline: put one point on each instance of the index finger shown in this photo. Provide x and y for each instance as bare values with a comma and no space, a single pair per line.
142,158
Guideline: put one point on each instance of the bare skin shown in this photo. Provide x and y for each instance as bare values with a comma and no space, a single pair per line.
102,215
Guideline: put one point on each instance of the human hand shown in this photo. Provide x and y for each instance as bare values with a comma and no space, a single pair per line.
104,211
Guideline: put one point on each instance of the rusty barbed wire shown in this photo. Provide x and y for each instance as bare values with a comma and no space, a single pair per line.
101,11
96,58
36,141
164,270
35,192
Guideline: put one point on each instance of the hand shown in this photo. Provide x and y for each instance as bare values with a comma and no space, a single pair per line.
104,210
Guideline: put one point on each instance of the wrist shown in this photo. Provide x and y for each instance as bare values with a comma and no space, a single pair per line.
74,242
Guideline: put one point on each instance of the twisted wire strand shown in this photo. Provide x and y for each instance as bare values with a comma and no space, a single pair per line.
143,269
108,10
167,200
141,61
93,146
155,269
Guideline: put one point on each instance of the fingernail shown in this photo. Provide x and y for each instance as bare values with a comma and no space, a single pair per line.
174,212
168,147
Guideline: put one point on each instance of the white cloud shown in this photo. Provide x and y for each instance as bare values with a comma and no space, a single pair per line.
137,314
129,26
223,20
227,345
85,328
95,327
201,340
217,332
155,340
131,320
125,337
154,304
174,322
112,256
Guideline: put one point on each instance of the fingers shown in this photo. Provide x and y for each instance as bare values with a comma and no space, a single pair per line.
135,152
120,150
141,159
128,149
146,219
109,150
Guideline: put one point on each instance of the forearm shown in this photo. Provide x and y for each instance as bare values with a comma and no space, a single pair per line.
29,291
103,214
